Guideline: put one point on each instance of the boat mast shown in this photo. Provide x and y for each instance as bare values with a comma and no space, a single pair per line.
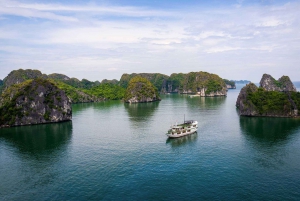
184,118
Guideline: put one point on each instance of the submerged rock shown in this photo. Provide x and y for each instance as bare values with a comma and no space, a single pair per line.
140,90
34,102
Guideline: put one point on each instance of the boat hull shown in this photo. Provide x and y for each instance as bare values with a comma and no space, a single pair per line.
176,135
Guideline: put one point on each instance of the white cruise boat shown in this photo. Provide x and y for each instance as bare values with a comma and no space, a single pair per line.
187,128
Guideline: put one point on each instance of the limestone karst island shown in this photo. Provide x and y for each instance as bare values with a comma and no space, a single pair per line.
273,98
30,97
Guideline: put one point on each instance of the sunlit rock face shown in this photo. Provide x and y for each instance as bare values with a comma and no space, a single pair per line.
282,84
34,102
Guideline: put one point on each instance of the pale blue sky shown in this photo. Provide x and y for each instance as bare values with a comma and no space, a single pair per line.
103,39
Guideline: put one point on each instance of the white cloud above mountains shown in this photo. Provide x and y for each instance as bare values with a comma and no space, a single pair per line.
96,41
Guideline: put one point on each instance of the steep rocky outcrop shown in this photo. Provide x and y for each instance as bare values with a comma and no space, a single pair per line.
245,105
273,98
140,90
34,102
19,76
282,84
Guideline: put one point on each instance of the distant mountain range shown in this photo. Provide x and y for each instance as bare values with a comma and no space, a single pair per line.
241,81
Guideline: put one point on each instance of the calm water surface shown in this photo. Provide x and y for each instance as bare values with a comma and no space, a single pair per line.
117,151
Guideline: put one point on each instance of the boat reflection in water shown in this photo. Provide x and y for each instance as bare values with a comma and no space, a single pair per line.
188,139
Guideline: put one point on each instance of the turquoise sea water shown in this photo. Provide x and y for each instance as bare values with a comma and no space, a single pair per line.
117,151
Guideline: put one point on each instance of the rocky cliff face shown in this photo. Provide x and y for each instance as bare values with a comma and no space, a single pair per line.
34,102
1,86
273,98
244,104
140,90
282,84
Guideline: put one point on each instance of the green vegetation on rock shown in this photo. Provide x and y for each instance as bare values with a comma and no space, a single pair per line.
156,79
105,81
175,81
195,81
78,91
108,91
270,102
141,90
77,95
213,86
94,94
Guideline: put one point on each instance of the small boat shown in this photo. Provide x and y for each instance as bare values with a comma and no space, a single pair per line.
186,128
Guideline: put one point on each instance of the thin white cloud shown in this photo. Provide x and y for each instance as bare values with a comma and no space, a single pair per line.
14,9
53,11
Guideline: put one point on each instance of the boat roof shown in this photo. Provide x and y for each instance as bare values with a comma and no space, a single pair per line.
188,121
176,126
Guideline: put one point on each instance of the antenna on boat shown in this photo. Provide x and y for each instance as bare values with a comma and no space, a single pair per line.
183,118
